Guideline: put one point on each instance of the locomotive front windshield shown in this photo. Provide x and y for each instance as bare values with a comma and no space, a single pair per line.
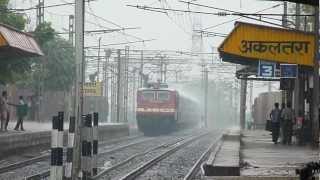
148,95
156,96
163,95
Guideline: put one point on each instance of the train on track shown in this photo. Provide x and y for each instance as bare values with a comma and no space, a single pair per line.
161,110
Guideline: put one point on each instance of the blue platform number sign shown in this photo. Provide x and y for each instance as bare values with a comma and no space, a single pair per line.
266,69
288,70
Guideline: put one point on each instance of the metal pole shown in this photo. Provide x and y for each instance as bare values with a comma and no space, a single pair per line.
315,92
165,73
243,99
106,82
119,94
79,55
126,83
141,70
206,98
98,76
297,79
71,29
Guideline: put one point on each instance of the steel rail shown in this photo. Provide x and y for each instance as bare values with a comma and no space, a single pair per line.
144,167
47,173
196,167
102,173
30,161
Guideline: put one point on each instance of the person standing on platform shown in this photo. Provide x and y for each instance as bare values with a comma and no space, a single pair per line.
22,111
275,122
283,106
4,110
288,119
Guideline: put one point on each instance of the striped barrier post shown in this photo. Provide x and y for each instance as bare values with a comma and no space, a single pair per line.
68,165
95,144
86,155
56,171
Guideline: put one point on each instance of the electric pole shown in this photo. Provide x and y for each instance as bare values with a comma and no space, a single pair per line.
315,92
297,79
71,29
120,88
79,55
141,70
99,48
126,81
40,12
243,100
206,72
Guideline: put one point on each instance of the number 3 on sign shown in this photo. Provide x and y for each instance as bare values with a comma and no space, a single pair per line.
266,69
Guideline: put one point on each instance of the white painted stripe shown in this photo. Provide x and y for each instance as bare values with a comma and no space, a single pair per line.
68,169
60,139
54,138
70,140
59,173
53,173
95,133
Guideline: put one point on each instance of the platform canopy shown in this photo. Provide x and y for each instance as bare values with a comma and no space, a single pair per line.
15,43
308,2
248,44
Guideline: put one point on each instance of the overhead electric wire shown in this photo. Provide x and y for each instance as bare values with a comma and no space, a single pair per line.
113,44
221,9
48,6
217,14
235,19
245,15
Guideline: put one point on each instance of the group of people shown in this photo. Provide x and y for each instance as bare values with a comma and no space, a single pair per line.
283,119
21,109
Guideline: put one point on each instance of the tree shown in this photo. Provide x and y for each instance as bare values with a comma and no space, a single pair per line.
11,69
54,71
10,18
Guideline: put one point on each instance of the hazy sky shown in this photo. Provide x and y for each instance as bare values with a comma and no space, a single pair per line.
172,31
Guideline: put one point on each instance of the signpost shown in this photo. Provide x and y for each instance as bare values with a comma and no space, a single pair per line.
288,70
267,69
249,43
92,89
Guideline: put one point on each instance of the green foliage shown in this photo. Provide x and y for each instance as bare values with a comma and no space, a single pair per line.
12,69
59,65
10,18
56,70
44,33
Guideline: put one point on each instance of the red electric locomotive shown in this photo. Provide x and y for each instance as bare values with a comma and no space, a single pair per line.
159,110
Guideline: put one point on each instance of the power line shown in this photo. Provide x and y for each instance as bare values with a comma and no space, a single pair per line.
216,14
113,44
210,27
48,6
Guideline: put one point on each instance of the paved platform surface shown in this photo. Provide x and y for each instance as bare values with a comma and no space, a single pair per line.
29,126
261,157
225,161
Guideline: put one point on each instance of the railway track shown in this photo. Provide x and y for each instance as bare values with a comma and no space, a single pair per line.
26,162
113,158
140,162
42,162
176,162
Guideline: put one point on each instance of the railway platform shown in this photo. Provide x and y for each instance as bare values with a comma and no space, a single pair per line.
38,135
261,159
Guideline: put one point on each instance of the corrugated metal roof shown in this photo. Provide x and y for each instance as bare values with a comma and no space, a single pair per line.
18,43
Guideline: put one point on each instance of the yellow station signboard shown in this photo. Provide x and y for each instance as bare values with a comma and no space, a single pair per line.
258,42
92,89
